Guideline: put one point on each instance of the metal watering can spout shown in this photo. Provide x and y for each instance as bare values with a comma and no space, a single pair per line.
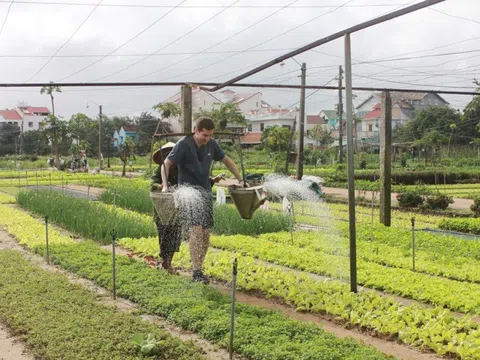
246,200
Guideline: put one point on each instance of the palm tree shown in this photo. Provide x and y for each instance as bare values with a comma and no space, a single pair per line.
49,90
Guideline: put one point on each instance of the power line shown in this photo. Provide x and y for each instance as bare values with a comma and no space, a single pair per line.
218,43
170,43
125,43
195,6
455,16
66,42
134,55
6,16
262,43
406,83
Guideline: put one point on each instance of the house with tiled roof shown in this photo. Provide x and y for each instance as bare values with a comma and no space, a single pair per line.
259,120
26,117
417,101
206,100
119,136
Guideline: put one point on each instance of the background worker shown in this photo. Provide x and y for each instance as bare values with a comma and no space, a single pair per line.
169,235
193,155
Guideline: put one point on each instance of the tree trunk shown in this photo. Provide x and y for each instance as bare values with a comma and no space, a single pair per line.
57,157
53,106
124,172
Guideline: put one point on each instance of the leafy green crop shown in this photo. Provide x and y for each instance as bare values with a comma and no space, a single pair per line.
59,320
420,327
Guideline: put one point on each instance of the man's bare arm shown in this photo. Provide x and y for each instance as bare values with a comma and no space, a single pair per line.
232,167
164,172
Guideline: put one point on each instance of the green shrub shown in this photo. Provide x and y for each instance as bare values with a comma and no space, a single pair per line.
363,164
438,201
475,207
469,225
409,199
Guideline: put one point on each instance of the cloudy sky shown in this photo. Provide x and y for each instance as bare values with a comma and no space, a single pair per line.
215,40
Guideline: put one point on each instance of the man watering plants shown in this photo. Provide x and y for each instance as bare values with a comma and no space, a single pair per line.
169,236
193,155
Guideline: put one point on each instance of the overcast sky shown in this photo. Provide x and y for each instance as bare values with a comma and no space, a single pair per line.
215,40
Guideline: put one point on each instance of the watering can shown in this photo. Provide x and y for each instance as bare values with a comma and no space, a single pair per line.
246,200
165,206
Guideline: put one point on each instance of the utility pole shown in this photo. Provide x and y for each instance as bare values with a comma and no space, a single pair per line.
302,124
100,165
351,171
386,160
186,108
290,141
340,115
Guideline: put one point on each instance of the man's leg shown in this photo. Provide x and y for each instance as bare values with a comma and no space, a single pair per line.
198,242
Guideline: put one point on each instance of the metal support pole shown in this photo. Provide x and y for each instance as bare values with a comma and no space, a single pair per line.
413,243
36,178
46,240
350,162
50,176
240,152
340,115
88,193
113,233
100,137
301,134
232,314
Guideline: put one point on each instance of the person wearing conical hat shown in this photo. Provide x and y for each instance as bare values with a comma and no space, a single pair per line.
169,236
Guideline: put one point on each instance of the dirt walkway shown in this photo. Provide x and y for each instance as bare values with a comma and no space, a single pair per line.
11,348
458,204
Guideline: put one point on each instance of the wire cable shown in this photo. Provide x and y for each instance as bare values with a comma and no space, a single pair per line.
262,43
170,43
65,43
125,43
218,43
6,16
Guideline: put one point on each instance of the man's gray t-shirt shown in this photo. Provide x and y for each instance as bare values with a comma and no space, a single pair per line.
194,162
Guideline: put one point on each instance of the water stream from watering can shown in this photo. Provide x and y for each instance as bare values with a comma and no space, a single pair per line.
307,205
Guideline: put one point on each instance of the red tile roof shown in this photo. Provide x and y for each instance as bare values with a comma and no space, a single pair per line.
130,128
251,138
10,115
38,109
314,120
375,113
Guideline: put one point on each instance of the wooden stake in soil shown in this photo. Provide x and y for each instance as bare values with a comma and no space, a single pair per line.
413,244
113,233
46,240
232,316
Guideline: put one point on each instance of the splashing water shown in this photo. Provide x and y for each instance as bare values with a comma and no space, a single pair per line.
192,204
283,186
310,212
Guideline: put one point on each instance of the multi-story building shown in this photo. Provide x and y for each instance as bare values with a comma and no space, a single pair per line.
26,117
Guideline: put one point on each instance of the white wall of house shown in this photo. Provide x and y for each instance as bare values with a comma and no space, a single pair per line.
252,103
32,122
367,106
255,121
